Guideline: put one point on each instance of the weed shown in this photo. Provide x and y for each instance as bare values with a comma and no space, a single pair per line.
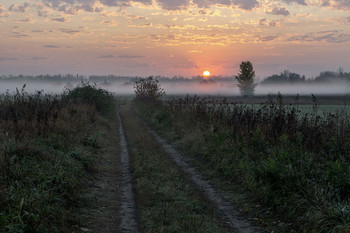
42,168
297,164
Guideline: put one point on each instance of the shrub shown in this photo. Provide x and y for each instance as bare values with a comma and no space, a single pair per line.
91,94
148,90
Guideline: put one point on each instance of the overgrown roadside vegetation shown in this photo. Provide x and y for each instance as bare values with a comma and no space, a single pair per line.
48,146
166,201
297,168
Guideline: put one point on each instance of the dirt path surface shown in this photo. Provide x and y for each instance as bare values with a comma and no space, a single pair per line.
102,193
223,207
128,218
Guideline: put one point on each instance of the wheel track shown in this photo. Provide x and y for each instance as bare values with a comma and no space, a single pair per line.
128,215
224,209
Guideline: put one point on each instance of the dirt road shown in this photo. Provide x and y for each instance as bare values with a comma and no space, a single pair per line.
127,197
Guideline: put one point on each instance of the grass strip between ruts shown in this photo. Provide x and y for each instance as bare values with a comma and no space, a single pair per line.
166,201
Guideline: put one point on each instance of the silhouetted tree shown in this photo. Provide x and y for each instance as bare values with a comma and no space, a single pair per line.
284,77
148,89
245,79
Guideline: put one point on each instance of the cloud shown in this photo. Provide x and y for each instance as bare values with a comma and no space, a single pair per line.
110,22
60,19
195,51
26,20
267,38
38,58
19,8
110,56
336,4
129,57
74,6
174,4
301,2
268,23
246,4
146,25
3,12
51,46
277,10
334,36
69,31
8,59
188,64
242,4
18,35
107,56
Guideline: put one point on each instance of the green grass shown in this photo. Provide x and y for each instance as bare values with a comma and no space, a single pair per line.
297,167
47,150
166,201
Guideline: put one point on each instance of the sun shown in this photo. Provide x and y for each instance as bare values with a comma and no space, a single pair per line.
206,74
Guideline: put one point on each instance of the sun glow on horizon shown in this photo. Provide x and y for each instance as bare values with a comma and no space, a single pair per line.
206,74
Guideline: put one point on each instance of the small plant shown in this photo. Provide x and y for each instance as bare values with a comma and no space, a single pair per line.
148,90
245,79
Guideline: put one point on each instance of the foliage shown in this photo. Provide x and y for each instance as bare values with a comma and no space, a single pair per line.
284,77
43,160
92,95
148,90
331,76
245,79
298,165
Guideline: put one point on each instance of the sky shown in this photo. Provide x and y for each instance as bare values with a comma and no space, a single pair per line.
173,37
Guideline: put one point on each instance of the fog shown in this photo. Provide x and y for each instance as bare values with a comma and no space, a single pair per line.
185,87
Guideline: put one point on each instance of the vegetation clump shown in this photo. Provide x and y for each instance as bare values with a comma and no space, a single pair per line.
92,95
245,79
148,90
44,158
296,164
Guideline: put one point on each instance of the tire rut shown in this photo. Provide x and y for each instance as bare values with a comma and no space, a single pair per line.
128,215
224,209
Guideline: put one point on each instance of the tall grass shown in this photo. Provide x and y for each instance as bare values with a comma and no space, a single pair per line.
297,164
44,157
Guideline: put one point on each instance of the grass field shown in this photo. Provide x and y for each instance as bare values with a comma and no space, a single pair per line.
296,165
284,164
49,145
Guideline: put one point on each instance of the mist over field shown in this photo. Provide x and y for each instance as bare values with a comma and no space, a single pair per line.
214,87
181,87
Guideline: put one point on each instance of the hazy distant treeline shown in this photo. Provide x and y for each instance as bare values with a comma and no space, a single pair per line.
285,77
105,78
